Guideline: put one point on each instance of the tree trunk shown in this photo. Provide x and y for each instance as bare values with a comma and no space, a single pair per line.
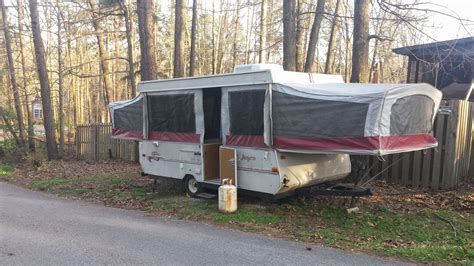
128,32
60,85
314,36
179,30
44,82
360,68
221,38
348,40
373,64
148,67
299,36
332,40
236,31
103,55
262,55
11,71
360,46
27,103
248,34
289,37
192,54
270,38
213,56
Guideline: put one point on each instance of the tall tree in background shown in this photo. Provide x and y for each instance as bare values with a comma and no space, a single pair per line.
299,35
45,90
103,53
332,39
192,53
262,53
360,47
128,33
179,31
289,35
360,68
11,70
221,36
236,33
60,81
148,68
27,102
314,36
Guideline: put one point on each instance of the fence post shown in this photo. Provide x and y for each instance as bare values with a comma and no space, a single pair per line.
96,142
471,164
77,141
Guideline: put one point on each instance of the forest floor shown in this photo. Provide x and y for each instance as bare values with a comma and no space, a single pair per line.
397,221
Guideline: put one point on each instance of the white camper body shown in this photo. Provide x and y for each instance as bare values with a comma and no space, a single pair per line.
258,170
205,129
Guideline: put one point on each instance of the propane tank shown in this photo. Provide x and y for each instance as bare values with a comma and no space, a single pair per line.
227,197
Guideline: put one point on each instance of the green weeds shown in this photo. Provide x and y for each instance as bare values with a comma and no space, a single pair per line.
5,172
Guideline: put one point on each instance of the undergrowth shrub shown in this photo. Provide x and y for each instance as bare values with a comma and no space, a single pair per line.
37,159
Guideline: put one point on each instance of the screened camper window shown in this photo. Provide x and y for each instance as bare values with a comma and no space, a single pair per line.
171,113
412,115
246,112
129,117
304,117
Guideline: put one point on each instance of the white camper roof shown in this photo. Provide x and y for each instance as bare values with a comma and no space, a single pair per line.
242,75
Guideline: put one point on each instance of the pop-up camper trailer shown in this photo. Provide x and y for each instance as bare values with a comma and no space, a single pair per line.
271,131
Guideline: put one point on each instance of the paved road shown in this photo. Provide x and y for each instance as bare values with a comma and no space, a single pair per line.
37,228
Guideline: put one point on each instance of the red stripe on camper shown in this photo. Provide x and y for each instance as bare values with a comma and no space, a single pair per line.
247,141
124,134
174,136
407,141
299,143
355,143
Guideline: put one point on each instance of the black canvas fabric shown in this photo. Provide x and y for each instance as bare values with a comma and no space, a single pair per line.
171,113
212,113
305,117
130,117
411,115
246,112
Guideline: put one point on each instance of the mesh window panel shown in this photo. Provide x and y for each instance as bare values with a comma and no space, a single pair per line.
246,112
412,115
171,113
304,117
130,117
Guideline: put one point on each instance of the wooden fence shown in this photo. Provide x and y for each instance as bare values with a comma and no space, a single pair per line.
441,168
94,143
69,148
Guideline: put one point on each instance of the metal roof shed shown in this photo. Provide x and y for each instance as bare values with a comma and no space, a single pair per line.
440,63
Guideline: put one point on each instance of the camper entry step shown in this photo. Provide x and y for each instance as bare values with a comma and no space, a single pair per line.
206,195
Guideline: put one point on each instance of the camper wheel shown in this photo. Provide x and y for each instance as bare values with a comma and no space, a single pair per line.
191,186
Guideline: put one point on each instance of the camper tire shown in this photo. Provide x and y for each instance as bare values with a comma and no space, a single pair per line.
191,186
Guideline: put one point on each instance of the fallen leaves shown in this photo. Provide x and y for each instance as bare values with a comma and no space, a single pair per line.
400,198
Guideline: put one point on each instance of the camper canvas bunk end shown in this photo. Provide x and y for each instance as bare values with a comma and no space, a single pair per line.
270,131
